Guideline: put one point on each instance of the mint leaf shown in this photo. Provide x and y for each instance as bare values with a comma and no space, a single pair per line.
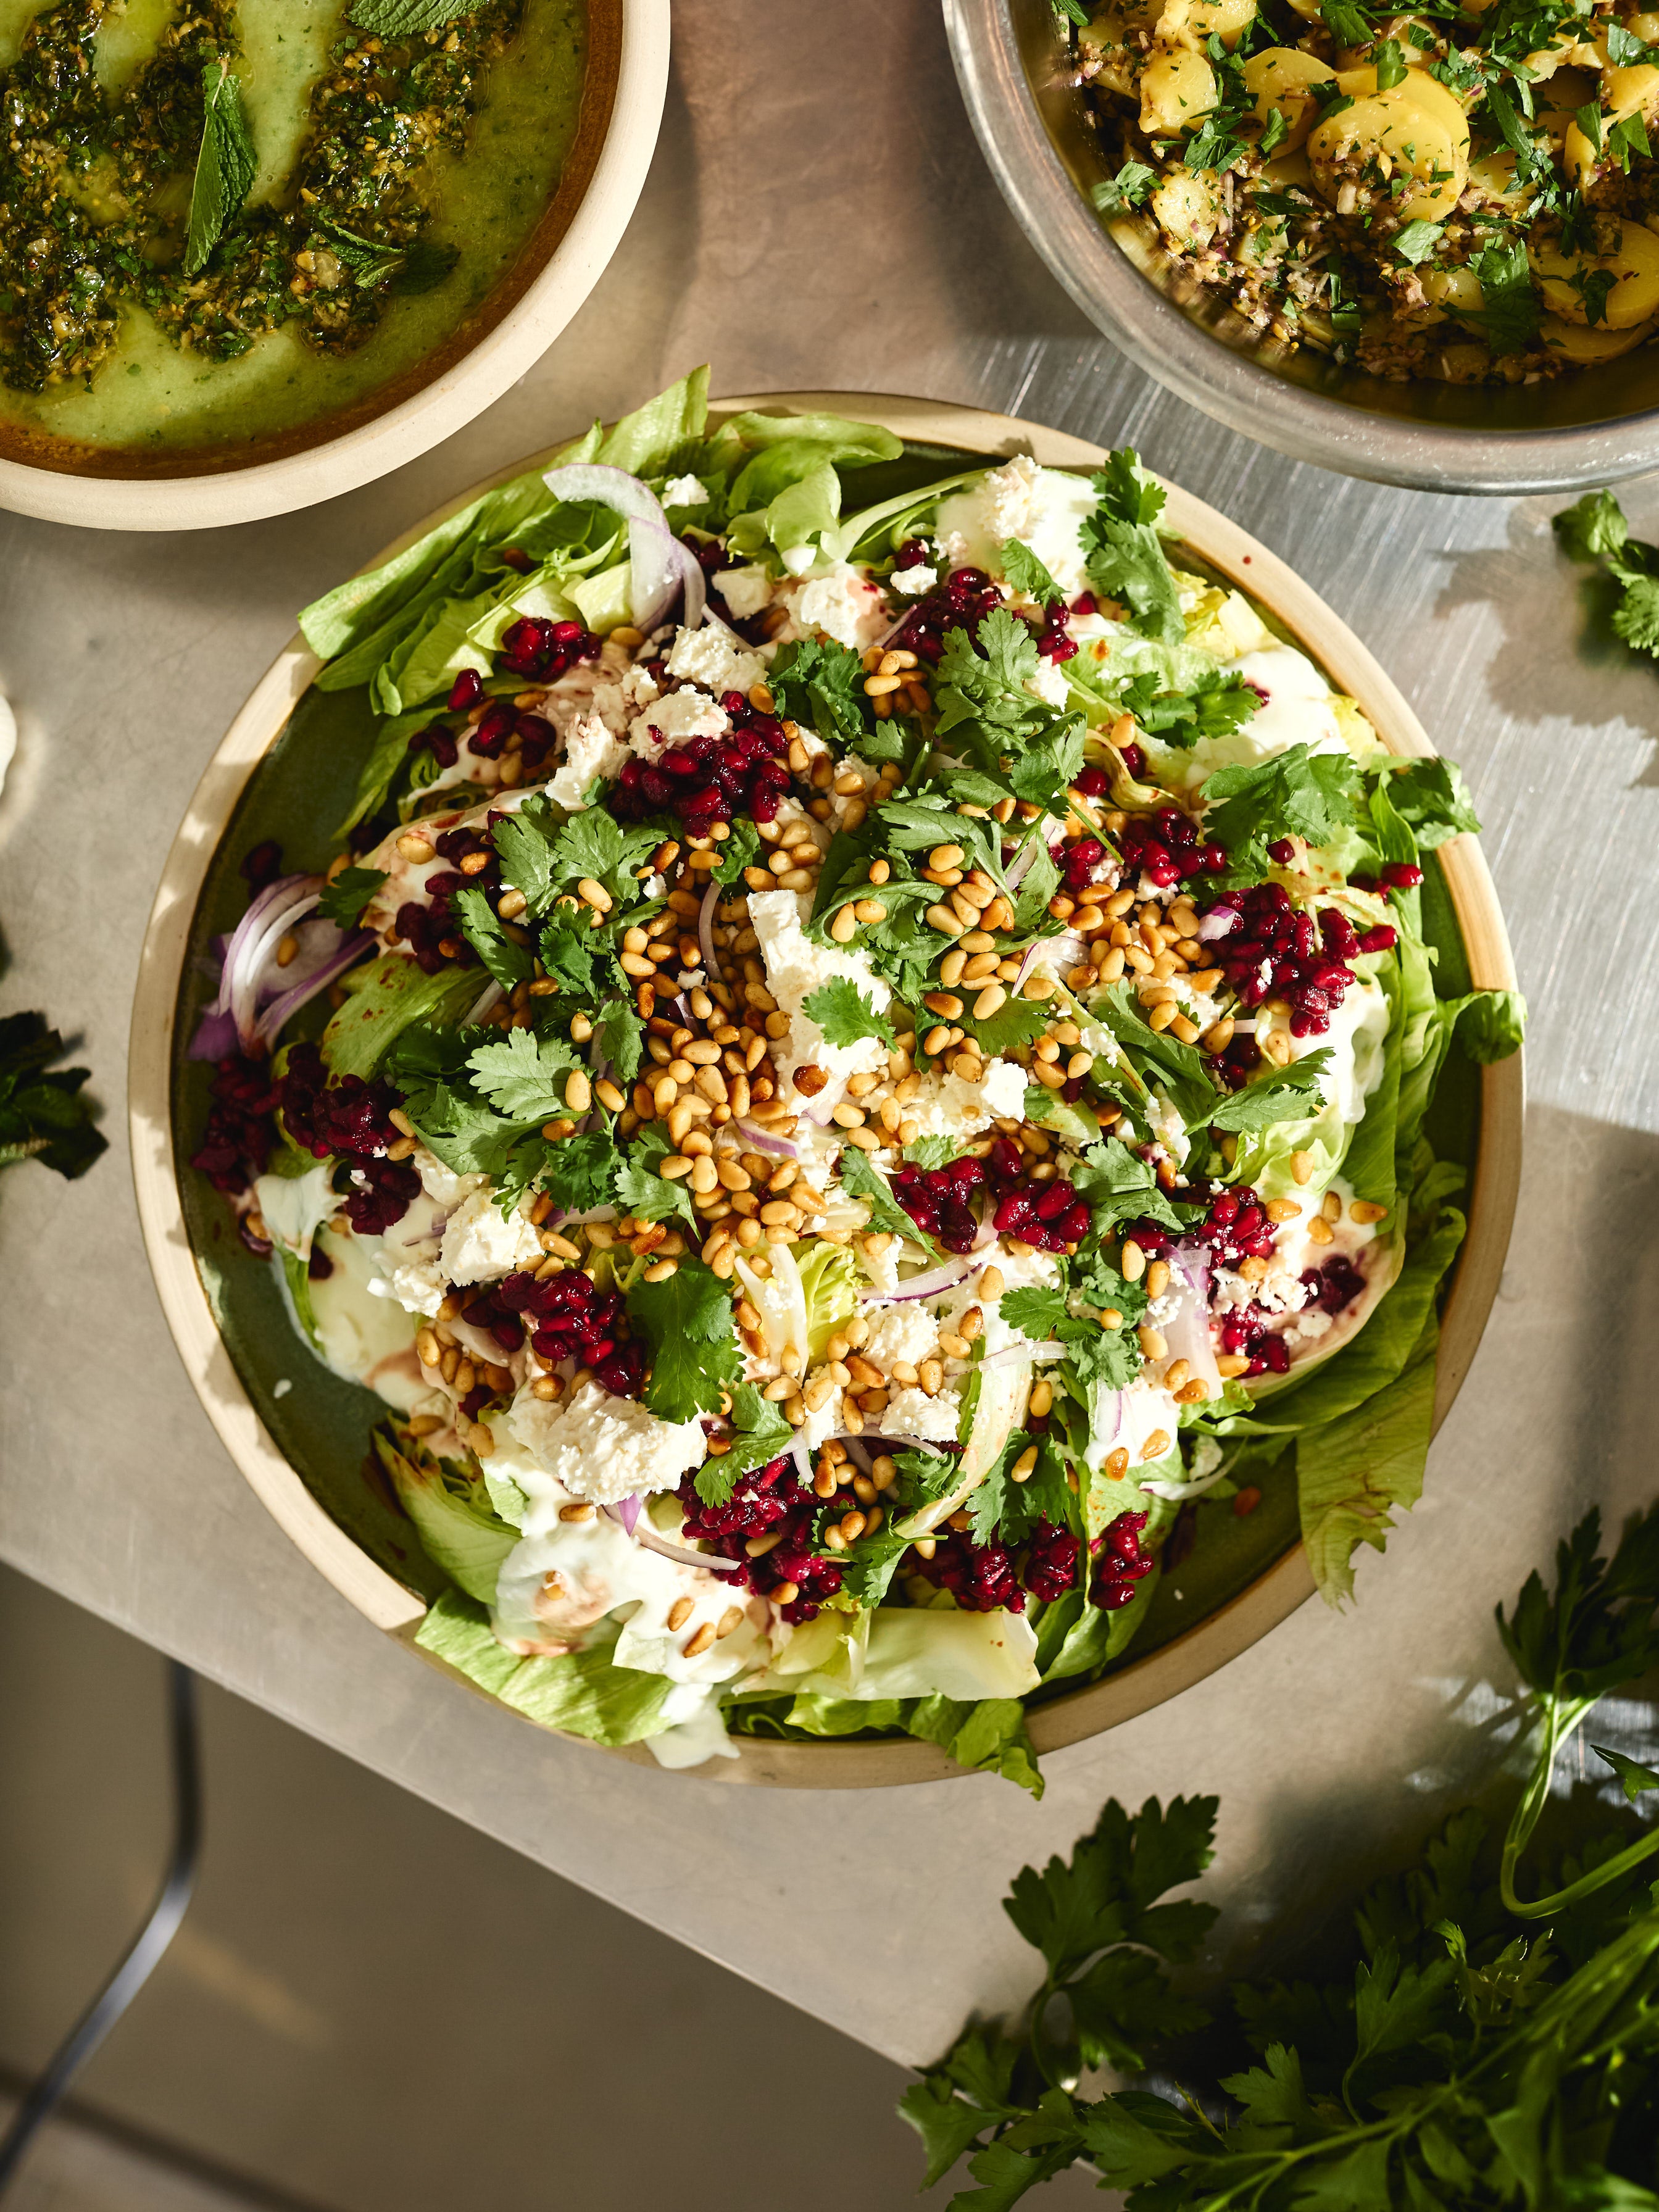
524,1075
225,166
687,1321
344,899
1023,570
407,19
845,1015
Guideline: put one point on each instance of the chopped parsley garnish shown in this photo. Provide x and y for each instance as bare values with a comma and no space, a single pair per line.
1126,191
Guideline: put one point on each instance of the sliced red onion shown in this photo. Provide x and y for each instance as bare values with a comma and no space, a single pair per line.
349,947
242,954
661,567
706,929
1217,923
1064,951
215,1037
1187,1332
763,1142
625,1510
802,1458
933,1285
649,1539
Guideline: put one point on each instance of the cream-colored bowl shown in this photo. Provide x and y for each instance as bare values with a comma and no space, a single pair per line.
558,266
1278,1584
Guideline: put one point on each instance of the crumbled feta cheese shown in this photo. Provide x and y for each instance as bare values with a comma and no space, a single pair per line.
1048,684
945,1106
911,583
601,1448
1042,507
1309,1328
907,1332
914,1414
640,687
713,657
746,591
685,491
1003,1089
590,750
480,1243
795,968
672,719
841,602
826,1422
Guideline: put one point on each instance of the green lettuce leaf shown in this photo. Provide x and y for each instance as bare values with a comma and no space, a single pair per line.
582,1693
459,1527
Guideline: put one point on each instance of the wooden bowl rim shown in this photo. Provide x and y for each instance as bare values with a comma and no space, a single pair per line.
1068,1718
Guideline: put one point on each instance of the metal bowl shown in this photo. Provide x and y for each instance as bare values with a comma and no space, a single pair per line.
1035,127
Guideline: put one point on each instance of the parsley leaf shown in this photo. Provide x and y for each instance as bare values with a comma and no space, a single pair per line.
225,166
1347,24
344,899
641,1191
1121,194
1511,312
821,683
1414,241
43,1115
860,1180
1124,554
1023,570
687,1321
523,1075
1289,1094
1298,793
845,1015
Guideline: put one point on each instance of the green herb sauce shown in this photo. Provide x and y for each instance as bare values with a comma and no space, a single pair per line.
394,183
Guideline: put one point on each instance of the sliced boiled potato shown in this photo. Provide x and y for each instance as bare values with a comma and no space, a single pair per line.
1282,78
1456,288
1493,174
1624,92
1416,124
1192,22
1189,208
1177,91
1579,342
1633,265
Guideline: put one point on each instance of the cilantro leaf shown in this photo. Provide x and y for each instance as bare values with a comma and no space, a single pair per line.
225,166
578,1171
1298,793
1217,705
1023,570
641,1191
1289,1094
687,1321
1593,529
1431,798
845,1015
592,844
1636,619
986,709
818,682
577,954
1637,1779
1123,193
620,1037
509,962
1016,1022
342,900
524,843
43,1115
858,1179
932,1151
1124,554
1121,1186
523,1076
760,1435
740,850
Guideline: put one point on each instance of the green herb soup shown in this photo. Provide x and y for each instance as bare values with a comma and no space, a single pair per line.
221,222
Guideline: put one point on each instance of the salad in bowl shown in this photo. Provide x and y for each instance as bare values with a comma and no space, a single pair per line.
862,1059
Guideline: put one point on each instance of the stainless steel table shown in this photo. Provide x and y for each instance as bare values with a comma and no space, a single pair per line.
818,215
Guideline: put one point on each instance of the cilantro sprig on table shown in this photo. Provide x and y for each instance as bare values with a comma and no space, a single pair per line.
44,1114
1441,2049
1595,530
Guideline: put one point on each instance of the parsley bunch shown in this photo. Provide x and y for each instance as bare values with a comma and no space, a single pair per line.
44,1115
1440,2049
